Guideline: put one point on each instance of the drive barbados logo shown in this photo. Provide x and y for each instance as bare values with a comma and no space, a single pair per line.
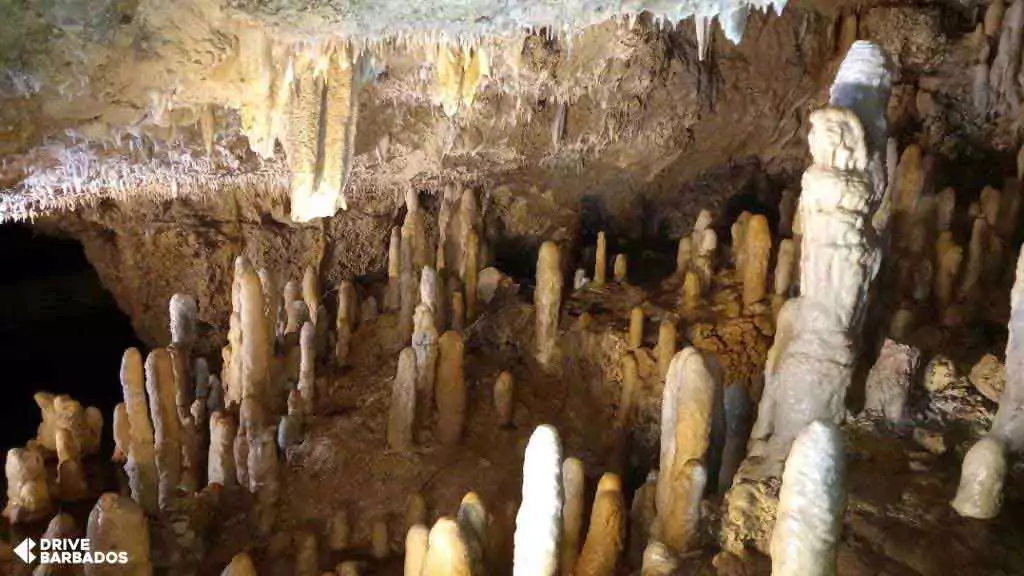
66,551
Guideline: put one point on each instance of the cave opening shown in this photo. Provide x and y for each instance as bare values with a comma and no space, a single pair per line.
61,330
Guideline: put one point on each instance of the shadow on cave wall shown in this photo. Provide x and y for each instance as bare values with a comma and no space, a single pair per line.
60,331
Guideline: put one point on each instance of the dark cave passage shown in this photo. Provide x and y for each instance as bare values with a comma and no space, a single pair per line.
60,331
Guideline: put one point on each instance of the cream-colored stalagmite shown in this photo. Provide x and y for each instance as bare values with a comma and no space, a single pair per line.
659,560
630,390
402,417
684,255
307,368
688,398
787,211
264,477
221,462
408,282
547,300
118,523
975,264
756,251
840,253
692,290
141,465
811,504
348,306
122,434
167,427
470,274
636,327
606,534
415,510
416,541
704,261
311,292
666,347
572,513
414,227
28,495
504,398
620,267
450,388
339,531
539,521
738,232
950,257
980,494
425,345
447,553
241,565
392,299
785,268
71,483
601,260
458,316
305,546
273,300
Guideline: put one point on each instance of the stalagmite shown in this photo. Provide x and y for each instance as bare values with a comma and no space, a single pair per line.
601,261
704,262
63,411
785,268
122,434
679,522
70,473
572,513
273,299
840,258
975,263
415,510
305,554
692,290
338,531
450,388
991,201
264,479
307,368
950,258
429,293
346,319
403,403
945,209
666,347
240,565
1009,212
141,466
221,461
118,523
183,316
756,251
737,421
636,327
311,292
416,540
167,428
980,494
787,211
888,383
255,362
470,275
684,255
447,553
458,316
28,496
686,410
392,299
408,283
61,527
659,560
619,267
539,521
811,504
425,345
547,300
606,534
504,398
414,228
473,521
994,18
629,392
738,232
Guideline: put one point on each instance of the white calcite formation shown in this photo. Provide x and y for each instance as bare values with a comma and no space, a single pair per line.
840,254
539,521
888,384
811,504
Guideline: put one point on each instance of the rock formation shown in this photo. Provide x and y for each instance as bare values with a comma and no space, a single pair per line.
539,521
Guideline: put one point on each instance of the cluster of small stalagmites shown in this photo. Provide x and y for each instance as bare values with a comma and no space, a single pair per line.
68,432
695,261
929,267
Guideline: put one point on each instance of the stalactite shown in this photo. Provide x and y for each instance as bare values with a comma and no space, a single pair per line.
340,112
